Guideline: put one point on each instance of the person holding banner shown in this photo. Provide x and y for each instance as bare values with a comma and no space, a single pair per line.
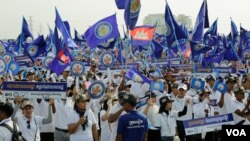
82,124
238,106
166,119
29,124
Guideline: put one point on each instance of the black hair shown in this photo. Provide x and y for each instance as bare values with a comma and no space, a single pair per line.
105,105
6,108
81,113
162,108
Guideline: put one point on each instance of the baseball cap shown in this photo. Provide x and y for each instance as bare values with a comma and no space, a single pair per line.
175,85
27,103
130,99
81,98
210,77
182,86
164,100
239,90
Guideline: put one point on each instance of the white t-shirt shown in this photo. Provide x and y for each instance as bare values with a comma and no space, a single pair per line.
236,105
34,132
179,104
105,128
152,111
214,100
199,109
166,122
227,106
63,110
80,134
6,135
114,125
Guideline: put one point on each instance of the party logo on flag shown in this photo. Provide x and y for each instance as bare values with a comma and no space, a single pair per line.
14,67
137,78
96,90
107,59
135,8
156,86
103,30
8,57
32,50
107,43
46,61
3,66
77,68
198,47
197,84
246,54
221,87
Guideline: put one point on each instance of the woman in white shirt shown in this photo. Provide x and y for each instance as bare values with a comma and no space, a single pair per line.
166,119
82,125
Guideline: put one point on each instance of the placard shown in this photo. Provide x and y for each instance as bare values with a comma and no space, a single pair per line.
96,90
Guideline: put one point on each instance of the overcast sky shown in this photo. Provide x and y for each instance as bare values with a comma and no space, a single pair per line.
83,13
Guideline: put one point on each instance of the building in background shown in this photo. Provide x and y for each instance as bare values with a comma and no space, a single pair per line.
151,19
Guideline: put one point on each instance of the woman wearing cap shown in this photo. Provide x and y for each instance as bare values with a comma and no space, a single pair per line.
82,125
29,124
166,119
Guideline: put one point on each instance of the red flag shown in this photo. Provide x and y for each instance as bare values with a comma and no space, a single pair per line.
61,55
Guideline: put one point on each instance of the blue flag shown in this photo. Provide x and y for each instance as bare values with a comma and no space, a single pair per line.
109,44
120,4
201,23
64,28
131,13
121,56
217,58
102,31
197,48
136,76
25,30
234,30
230,53
212,31
36,48
174,31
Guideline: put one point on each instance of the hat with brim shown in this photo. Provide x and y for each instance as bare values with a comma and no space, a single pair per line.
129,98
81,98
164,100
239,90
27,103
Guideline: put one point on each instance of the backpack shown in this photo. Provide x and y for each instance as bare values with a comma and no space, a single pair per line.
16,135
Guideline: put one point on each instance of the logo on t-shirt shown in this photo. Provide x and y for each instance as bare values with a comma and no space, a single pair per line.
136,124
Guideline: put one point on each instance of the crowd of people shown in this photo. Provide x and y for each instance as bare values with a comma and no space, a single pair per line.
116,116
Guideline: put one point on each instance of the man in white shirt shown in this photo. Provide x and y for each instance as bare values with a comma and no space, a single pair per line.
6,111
63,109
115,112
238,106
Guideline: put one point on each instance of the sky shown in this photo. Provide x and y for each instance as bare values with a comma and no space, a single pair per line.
83,13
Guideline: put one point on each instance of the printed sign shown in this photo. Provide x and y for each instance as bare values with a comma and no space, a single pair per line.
197,84
7,57
96,90
77,68
107,59
208,124
34,90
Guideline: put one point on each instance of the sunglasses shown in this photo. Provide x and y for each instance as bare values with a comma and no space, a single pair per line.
28,124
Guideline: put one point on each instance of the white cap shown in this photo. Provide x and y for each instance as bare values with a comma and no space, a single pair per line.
183,86
67,68
130,82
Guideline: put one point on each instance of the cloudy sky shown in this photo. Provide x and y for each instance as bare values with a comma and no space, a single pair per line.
83,13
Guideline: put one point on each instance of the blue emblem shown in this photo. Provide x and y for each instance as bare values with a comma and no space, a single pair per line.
197,84
96,90
246,54
156,86
32,50
107,59
3,66
46,61
14,67
221,87
7,57
103,30
77,68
